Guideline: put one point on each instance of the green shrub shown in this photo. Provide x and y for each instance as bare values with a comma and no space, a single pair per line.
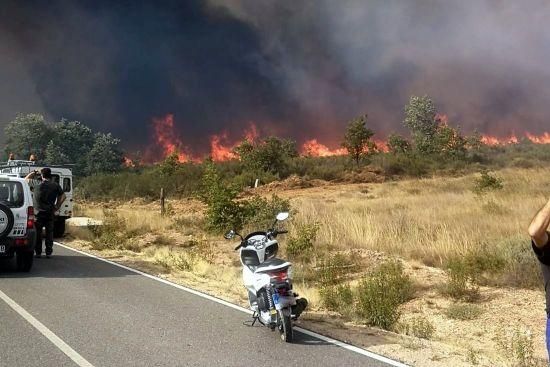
518,347
381,293
522,267
461,281
337,298
486,183
111,234
223,211
259,213
332,269
419,327
465,273
463,312
301,241
179,260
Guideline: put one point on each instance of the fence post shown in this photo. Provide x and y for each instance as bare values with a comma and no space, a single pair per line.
162,208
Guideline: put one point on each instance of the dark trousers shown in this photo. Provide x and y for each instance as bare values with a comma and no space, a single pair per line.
44,221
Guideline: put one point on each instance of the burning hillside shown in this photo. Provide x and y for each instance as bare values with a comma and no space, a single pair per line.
166,141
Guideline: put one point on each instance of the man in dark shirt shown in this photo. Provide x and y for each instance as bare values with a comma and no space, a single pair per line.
48,197
538,230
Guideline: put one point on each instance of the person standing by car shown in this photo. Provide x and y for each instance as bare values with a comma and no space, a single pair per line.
49,197
538,230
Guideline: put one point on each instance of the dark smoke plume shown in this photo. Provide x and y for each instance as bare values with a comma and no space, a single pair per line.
295,68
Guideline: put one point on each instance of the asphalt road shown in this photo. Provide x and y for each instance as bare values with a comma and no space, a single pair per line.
110,316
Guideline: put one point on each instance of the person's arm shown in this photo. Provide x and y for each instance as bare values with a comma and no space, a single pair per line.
31,176
538,229
60,198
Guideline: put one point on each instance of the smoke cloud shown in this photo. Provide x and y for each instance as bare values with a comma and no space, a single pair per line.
299,69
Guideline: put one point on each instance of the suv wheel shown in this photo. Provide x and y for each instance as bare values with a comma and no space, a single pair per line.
6,220
24,260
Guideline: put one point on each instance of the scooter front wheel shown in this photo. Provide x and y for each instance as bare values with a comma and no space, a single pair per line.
285,326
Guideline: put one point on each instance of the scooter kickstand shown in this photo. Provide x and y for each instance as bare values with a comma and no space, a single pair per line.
255,318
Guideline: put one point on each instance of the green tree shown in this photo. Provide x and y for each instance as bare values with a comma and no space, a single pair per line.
223,211
105,155
398,144
420,118
474,141
27,134
270,155
55,155
71,143
449,142
357,138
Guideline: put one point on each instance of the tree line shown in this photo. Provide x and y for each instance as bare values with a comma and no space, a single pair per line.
63,142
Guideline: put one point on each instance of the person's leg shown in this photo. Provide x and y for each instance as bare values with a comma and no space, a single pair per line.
49,236
38,225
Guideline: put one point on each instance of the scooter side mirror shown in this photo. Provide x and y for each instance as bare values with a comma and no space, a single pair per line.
282,216
229,235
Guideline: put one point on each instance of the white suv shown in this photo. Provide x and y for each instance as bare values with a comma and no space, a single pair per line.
17,232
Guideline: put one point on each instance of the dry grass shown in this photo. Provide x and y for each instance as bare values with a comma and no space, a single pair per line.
431,219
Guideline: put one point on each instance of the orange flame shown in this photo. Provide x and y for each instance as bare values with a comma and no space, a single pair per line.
514,139
166,138
251,134
128,162
540,139
219,151
313,148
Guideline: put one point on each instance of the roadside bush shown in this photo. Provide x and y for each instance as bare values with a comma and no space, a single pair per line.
461,281
301,241
522,267
171,259
478,267
419,327
259,213
338,298
463,312
332,269
111,234
381,293
486,183
518,347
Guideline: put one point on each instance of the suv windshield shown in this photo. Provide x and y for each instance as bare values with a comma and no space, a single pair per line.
11,194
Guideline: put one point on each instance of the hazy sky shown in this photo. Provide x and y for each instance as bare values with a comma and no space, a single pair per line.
296,68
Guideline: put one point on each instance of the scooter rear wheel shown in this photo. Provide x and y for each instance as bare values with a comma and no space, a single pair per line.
285,327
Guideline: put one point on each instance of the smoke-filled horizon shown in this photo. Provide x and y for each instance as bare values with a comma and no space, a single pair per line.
298,69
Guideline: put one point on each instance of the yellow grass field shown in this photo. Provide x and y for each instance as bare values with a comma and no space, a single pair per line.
423,222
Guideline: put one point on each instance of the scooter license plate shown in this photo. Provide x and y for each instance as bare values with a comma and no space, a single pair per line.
2,249
276,298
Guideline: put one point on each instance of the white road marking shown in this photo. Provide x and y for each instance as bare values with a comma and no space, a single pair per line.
60,344
338,343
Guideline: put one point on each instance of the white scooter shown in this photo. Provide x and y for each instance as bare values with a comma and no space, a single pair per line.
268,280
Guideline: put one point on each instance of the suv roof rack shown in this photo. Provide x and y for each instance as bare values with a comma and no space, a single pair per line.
20,163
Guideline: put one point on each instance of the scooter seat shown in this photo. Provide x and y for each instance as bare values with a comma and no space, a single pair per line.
271,265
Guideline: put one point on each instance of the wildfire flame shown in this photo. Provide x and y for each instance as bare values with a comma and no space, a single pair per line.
514,139
222,149
220,152
313,148
167,139
128,162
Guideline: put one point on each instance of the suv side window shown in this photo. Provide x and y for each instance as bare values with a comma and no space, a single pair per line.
11,194
66,184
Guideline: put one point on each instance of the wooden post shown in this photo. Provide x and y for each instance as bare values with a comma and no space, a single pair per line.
162,208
